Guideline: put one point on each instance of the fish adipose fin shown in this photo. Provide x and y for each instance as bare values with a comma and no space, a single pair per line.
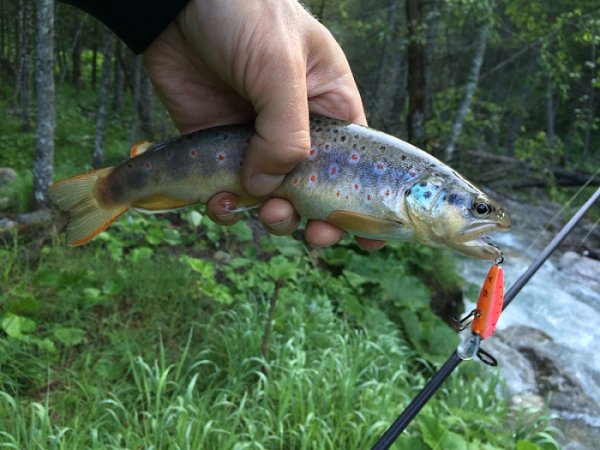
87,217
359,223
139,148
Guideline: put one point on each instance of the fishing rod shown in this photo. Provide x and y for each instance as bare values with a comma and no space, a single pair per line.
406,417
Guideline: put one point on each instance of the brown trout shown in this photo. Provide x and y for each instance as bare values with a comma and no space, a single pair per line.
364,181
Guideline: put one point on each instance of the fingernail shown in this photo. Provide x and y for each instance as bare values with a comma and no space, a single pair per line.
281,227
265,183
225,217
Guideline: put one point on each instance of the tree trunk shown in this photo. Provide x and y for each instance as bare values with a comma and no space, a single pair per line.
95,55
25,69
432,19
118,79
44,100
550,131
145,105
76,57
470,87
98,154
136,69
591,106
416,74
380,97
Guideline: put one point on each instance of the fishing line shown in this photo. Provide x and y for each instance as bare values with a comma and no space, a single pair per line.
434,383
563,208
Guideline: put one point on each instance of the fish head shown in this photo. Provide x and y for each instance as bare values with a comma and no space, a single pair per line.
449,211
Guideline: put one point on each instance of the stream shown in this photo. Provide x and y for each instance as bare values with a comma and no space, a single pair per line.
548,340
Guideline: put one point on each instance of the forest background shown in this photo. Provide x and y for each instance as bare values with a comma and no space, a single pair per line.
171,332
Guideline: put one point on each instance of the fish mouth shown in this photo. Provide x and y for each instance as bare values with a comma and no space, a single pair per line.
473,241
481,246
476,231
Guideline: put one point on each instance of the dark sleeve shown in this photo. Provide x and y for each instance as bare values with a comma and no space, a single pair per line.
136,22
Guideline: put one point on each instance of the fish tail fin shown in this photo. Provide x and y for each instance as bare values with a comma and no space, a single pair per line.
87,216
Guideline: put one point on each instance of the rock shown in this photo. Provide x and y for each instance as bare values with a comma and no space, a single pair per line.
517,370
7,176
551,379
580,267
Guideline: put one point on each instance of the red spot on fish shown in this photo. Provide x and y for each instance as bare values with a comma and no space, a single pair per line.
356,186
380,166
354,157
147,165
313,178
387,193
333,170
337,193
295,181
369,197
312,151
220,156
193,153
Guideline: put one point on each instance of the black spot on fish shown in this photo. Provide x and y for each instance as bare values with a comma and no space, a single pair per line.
225,137
382,147
335,130
318,121
408,192
356,136
423,183
343,138
130,166
319,129
403,157
427,194
444,198
454,199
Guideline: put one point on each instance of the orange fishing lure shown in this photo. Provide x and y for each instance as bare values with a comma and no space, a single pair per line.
485,316
489,305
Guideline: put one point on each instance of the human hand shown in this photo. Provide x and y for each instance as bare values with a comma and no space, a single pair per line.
268,60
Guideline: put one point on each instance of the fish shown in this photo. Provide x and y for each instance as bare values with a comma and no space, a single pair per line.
367,182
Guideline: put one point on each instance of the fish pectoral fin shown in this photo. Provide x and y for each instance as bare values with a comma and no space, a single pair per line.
358,223
161,202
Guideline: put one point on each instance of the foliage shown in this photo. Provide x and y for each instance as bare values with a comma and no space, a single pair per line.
139,340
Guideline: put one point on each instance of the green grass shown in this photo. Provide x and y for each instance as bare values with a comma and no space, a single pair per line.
117,347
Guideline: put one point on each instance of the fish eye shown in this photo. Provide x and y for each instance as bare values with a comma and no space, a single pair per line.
482,209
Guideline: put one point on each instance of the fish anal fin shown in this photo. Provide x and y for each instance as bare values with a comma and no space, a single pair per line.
139,148
360,223
161,202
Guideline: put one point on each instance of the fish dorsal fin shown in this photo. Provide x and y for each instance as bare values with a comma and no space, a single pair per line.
360,223
139,148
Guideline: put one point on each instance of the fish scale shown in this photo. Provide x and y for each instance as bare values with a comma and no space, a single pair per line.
364,181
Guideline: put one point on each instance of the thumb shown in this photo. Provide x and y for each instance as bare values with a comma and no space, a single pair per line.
282,137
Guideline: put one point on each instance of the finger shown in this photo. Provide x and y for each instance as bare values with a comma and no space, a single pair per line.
370,245
282,137
219,208
278,217
322,234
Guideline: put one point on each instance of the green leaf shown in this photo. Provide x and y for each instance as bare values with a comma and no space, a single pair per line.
92,296
69,337
527,445
16,326
141,254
